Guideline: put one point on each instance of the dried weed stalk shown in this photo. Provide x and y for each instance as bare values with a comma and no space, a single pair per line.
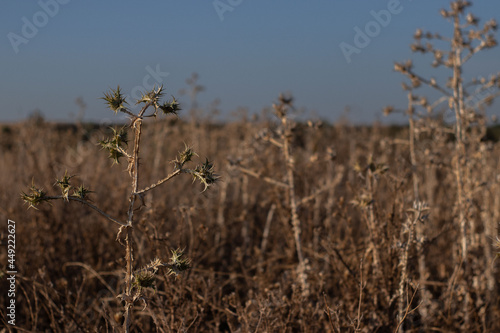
466,102
136,282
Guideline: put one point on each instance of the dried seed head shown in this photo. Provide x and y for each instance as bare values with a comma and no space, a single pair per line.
471,19
418,34
64,184
490,41
82,192
417,48
119,137
115,144
388,110
205,174
144,279
115,100
491,24
459,6
34,197
444,13
151,97
177,263
154,265
184,156
172,107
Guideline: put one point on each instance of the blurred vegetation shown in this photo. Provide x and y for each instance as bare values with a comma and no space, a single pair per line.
71,269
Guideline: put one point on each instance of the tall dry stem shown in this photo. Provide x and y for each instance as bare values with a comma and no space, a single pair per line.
467,40
135,282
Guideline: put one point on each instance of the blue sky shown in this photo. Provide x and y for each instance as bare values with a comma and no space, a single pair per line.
244,56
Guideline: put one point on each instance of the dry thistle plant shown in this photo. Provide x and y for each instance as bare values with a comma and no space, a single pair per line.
420,214
136,282
466,101
371,173
283,138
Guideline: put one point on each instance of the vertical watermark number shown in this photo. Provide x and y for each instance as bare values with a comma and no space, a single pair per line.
11,272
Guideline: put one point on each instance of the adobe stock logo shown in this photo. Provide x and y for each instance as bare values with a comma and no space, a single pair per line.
30,28
363,37
222,7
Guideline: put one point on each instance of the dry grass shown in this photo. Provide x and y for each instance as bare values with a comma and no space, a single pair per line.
312,227
71,269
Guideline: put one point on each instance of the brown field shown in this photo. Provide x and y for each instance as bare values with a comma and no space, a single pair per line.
370,261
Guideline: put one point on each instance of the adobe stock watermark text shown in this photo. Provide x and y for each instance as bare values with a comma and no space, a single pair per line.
11,272
31,26
364,35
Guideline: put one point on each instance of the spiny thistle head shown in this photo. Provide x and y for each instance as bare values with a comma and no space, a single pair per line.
115,100
115,155
177,263
114,144
119,136
144,279
152,97
184,156
154,265
34,197
82,192
64,184
172,107
205,174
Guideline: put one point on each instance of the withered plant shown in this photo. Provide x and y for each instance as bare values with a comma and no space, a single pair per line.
136,282
458,112
283,138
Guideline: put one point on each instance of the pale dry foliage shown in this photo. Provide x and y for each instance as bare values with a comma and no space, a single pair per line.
312,227
354,235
